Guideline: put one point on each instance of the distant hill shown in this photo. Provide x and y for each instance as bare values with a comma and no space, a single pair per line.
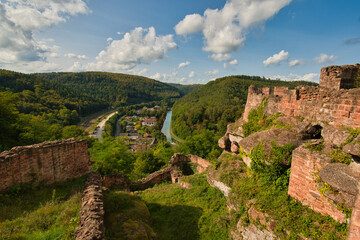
218,102
38,107
185,89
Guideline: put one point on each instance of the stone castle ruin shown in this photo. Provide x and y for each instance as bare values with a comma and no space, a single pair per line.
328,112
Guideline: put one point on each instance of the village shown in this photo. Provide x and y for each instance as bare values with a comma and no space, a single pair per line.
136,129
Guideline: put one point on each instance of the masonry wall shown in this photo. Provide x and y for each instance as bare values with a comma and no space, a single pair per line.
337,108
339,77
305,166
46,162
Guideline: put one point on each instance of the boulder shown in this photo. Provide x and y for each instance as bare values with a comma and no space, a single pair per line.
342,179
280,136
334,136
353,148
234,147
225,143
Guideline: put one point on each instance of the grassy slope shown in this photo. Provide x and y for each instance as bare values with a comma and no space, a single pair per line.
50,212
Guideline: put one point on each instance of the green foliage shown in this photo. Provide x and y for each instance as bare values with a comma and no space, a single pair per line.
275,167
44,212
126,217
217,103
203,144
339,156
288,214
197,213
111,156
315,147
258,122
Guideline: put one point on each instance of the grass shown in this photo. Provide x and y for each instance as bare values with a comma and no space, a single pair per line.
197,213
291,217
44,212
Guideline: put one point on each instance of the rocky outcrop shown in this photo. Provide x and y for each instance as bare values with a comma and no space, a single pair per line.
344,183
279,136
92,211
47,162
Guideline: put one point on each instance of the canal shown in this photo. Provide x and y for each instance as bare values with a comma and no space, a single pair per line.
166,127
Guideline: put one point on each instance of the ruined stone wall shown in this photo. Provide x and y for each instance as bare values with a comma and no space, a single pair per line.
92,210
305,167
339,77
337,108
46,162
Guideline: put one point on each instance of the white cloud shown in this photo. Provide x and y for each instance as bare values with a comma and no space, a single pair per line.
233,62
190,24
139,72
156,76
31,67
140,46
211,73
184,64
20,19
311,77
324,58
276,58
109,39
296,62
73,55
192,74
225,29
220,57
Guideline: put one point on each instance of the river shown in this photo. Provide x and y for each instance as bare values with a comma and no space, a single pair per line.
166,127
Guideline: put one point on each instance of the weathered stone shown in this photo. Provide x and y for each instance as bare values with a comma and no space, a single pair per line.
339,77
280,136
340,177
263,218
251,232
219,185
115,180
353,148
92,211
334,135
305,165
47,162
225,143
234,147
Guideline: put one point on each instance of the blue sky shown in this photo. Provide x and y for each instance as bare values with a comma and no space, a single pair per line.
180,41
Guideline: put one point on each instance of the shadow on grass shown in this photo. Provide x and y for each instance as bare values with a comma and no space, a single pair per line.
175,222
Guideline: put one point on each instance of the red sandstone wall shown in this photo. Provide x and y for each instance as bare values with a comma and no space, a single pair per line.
305,166
92,212
49,162
354,230
339,77
338,108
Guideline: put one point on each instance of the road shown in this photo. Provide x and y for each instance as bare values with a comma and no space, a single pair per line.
100,127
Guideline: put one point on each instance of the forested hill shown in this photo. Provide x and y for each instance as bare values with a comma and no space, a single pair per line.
217,103
113,88
47,106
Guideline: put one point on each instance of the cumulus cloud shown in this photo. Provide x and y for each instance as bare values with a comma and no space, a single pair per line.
156,76
220,57
296,62
233,62
211,73
311,77
190,24
20,19
192,74
225,29
73,55
184,64
277,58
324,58
136,47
